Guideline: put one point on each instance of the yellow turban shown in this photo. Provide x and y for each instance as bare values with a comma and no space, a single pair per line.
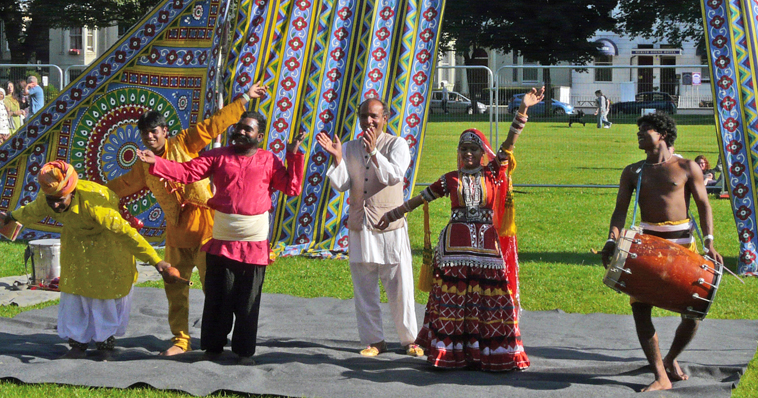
57,178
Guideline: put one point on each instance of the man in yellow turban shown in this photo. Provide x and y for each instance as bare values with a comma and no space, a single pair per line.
97,257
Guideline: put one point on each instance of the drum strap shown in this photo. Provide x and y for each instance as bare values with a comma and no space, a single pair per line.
697,229
637,194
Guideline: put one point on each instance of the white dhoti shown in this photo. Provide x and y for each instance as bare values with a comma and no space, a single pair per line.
385,255
85,319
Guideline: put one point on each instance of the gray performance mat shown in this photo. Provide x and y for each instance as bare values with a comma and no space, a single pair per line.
309,347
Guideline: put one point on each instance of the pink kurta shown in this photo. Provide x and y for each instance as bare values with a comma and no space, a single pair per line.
244,185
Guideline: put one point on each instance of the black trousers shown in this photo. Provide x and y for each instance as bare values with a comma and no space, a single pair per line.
232,290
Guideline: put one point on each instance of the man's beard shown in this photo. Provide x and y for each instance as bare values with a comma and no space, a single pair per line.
243,143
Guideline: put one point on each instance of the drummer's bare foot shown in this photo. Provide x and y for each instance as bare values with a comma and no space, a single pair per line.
674,372
75,353
173,350
658,385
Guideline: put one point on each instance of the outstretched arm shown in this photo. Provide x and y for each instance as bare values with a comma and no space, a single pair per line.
430,193
188,172
533,97
130,183
398,212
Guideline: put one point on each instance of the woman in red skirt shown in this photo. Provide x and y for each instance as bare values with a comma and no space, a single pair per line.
471,317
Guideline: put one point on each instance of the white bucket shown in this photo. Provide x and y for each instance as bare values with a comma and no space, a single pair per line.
46,259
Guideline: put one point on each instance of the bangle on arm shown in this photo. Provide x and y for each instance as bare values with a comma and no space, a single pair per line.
407,206
519,121
246,97
708,237
374,152
395,214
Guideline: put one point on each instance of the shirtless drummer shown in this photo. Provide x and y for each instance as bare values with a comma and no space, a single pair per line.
667,183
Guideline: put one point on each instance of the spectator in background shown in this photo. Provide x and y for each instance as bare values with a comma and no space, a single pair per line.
14,108
709,175
5,128
22,98
601,102
35,93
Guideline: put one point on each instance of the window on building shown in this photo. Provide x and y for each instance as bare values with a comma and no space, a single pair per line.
90,40
122,29
705,73
75,38
530,74
603,75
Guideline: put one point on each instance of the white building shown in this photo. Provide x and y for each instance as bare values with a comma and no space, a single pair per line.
71,49
577,87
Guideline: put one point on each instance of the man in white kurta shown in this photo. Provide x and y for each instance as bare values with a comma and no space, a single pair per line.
373,170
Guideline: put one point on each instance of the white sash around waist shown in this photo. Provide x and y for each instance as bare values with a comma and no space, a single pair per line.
239,227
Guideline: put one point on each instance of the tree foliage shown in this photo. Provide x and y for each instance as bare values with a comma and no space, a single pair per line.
544,31
27,22
547,31
667,21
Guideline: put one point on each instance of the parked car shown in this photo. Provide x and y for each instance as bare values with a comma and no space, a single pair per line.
657,100
456,103
558,108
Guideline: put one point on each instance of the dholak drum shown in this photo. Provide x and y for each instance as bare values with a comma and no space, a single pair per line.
663,274
45,257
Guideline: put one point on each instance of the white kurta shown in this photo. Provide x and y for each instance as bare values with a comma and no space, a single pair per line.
378,254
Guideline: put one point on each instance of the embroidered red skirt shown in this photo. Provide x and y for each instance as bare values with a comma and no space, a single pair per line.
470,318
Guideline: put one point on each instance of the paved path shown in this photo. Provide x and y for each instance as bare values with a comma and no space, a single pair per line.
26,297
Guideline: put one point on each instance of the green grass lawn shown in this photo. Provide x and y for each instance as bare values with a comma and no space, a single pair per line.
557,229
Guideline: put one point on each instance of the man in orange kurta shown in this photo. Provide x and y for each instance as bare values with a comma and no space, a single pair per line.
189,221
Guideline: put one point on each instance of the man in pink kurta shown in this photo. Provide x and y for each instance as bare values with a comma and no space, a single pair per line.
237,255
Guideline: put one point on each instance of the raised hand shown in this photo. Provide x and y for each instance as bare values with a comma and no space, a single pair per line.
293,146
369,139
146,156
534,96
333,148
258,90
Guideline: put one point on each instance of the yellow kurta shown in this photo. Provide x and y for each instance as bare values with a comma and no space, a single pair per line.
97,245
189,222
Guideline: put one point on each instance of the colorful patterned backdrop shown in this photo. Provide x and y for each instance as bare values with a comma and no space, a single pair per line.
320,59
731,40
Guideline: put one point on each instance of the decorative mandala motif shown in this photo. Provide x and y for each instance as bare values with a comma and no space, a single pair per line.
106,139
